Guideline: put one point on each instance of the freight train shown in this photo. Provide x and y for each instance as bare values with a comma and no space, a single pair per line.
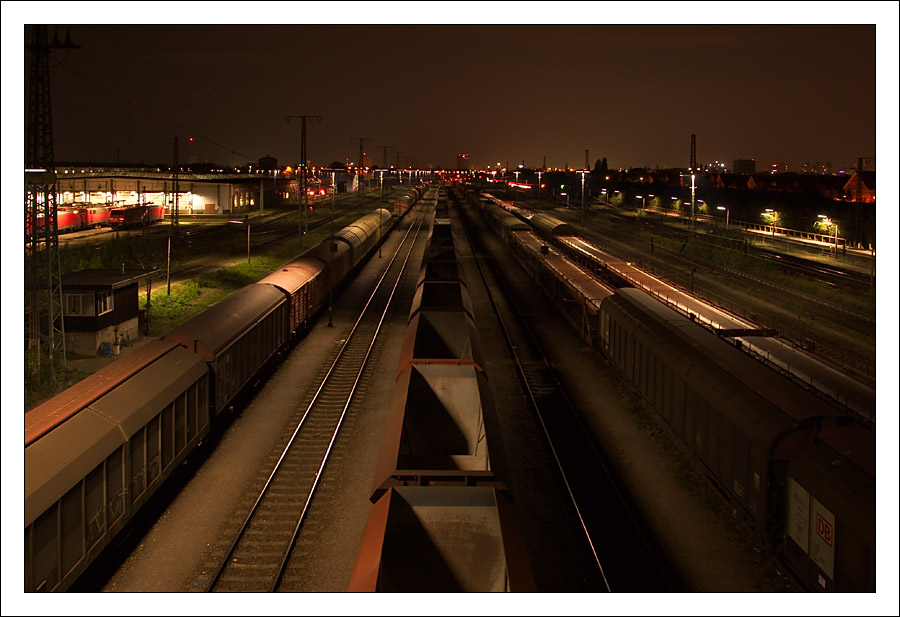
442,519
95,453
799,470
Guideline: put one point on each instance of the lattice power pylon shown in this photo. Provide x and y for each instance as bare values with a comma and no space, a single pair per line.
43,294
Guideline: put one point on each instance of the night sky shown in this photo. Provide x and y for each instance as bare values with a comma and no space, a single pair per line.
501,93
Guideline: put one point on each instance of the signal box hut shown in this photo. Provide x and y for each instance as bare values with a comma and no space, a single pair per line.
100,309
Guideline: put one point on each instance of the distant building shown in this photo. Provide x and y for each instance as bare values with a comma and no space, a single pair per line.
860,187
268,163
744,166
462,161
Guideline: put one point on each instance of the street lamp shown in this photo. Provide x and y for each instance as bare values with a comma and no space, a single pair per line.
582,198
772,217
539,185
827,222
726,215
246,220
380,208
332,247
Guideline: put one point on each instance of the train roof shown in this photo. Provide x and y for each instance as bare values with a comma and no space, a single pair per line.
50,414
293,275
214,329
790,398
63,456
550,226
320,251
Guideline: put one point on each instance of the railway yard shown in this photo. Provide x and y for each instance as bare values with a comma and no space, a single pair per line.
594,491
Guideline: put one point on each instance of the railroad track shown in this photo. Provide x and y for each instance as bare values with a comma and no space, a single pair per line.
623,556
261,551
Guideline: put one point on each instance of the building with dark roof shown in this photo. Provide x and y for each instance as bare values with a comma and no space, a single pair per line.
100,309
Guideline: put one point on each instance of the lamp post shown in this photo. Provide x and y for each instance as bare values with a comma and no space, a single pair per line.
379,214
331,249
539,185
641,197
582,199
828,223
726,215
247,221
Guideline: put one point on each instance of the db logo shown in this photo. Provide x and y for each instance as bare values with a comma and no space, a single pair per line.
824,530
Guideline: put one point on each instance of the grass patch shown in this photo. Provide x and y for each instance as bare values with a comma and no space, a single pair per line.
48,379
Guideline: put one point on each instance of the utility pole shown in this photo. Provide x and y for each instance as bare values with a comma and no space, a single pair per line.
174,218
41,198
360,167
362,140
693,171
303,168
384,157
582,196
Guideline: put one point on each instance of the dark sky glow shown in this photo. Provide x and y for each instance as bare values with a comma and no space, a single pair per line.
502,93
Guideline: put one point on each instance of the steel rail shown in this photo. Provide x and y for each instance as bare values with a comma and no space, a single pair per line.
278,465
536,406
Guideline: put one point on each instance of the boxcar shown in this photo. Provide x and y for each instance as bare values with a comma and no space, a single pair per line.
829,536
735,414
236,337
85,478
305,282
338,262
